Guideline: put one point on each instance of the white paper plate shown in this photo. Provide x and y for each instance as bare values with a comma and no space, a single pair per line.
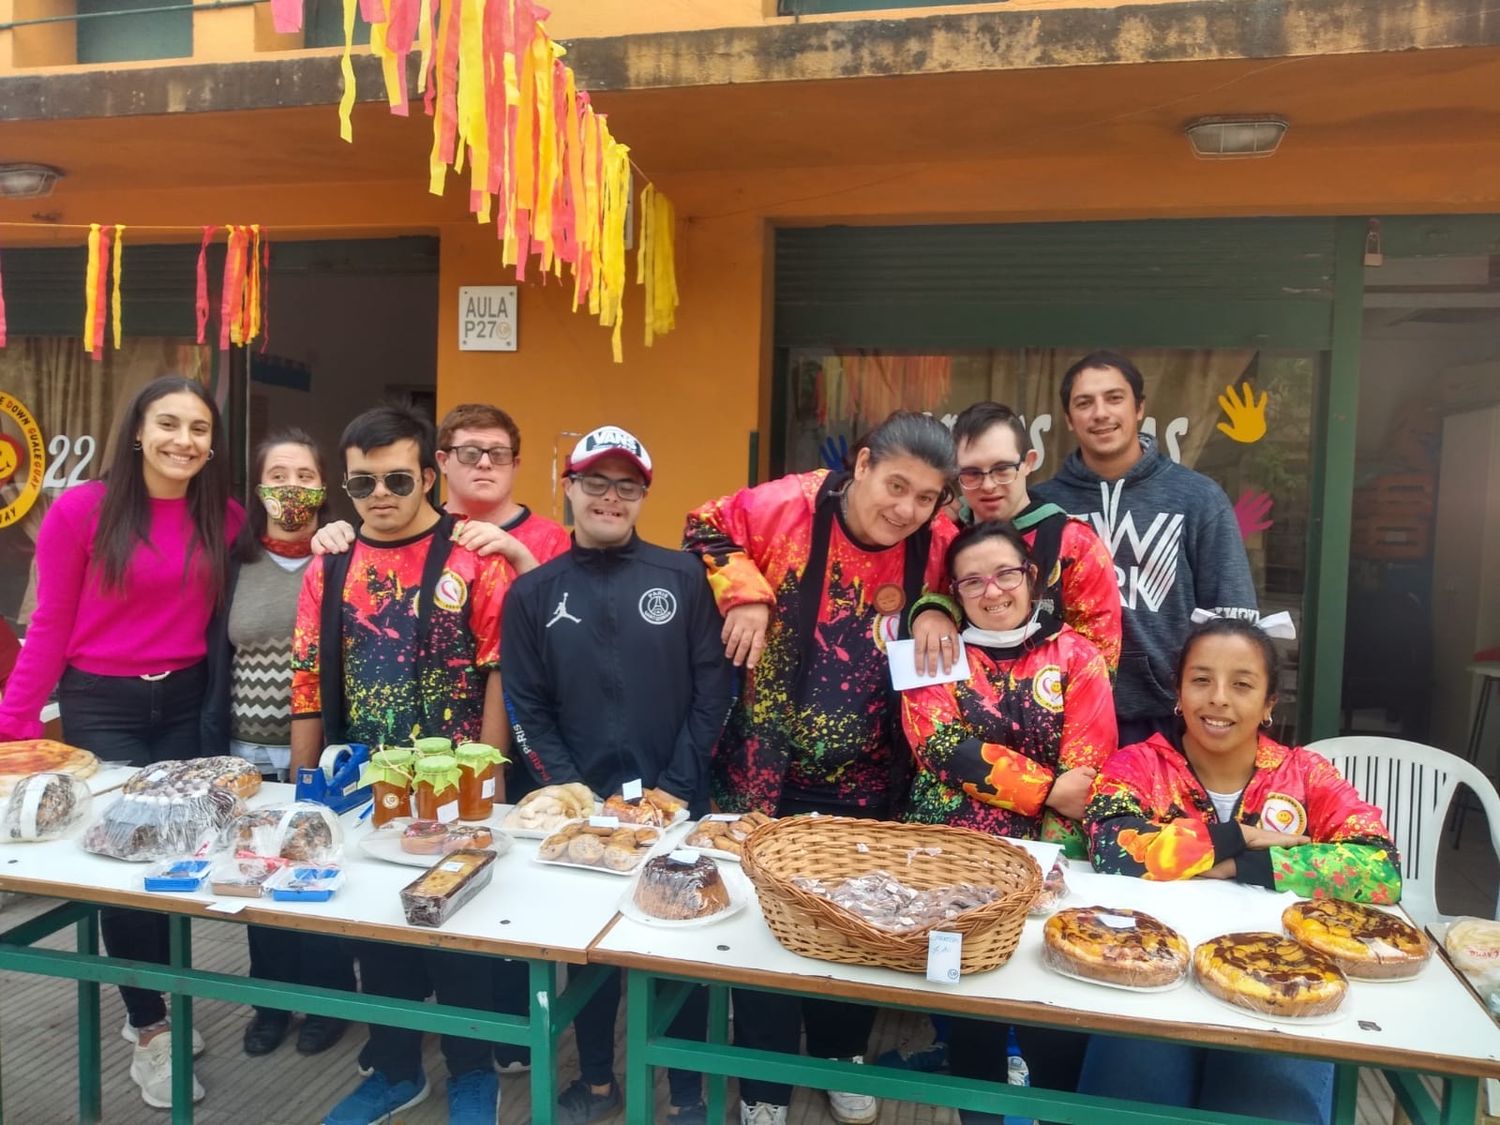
386,846
1176,984
735,883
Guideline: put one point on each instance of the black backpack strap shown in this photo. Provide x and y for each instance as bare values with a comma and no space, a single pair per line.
1046,549
331,647
438,551
814,574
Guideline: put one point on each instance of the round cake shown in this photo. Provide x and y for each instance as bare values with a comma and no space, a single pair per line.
1269,973
1368,944
677,890
1126,947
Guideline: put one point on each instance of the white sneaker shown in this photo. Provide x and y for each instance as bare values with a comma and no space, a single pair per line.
151,1070
762,1113
853,1109
133,1037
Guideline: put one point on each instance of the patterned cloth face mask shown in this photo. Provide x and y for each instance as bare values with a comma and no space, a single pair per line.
292,506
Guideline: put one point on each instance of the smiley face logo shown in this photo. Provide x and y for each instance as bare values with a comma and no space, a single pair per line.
10,458
451,592
1283,814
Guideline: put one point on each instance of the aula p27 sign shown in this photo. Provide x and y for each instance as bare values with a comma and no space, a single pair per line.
487,318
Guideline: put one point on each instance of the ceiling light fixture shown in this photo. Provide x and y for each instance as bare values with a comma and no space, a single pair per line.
27,181
1224,138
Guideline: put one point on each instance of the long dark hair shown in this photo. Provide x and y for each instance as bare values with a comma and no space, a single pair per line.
247,547
1234,627
906,433
125,514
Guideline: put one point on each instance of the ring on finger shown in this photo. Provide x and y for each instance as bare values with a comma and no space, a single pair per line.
945,640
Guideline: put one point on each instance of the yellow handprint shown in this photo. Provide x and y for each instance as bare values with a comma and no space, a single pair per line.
1247,417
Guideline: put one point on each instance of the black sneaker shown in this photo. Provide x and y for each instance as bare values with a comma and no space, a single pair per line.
265,1032
318,1033
579,1105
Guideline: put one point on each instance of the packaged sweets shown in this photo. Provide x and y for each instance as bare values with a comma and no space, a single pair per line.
306,882
243,877
304,831
437,894
1367,943
45,806
1270,974
193,775
152,825
1473,945
886,903
1115,946
182,874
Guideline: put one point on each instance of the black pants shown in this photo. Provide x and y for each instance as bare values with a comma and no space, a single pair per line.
977,1049
769,1021
293,957
512,997
406,973
128,719
595,1029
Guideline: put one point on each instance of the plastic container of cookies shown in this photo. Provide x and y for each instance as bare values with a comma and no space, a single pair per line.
177,875
600,844
306,882
242,878
44,806
304,831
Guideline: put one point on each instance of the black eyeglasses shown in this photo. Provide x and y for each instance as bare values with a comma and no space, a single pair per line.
361,486
499,455
1002,472
596,485
1005,579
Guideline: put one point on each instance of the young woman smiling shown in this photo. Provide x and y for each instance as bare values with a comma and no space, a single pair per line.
814,573
1221,799
1012,751
129,571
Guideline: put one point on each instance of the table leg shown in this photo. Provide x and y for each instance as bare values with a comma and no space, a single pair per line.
543,1042
90,1083
717,1086
1345,1094
180,946
640,1075
1460,1101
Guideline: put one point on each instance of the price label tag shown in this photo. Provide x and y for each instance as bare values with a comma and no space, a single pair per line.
726,817
1116,921
686,856
488,789
631,790
452,866
228,907
448,813
944,952
604,822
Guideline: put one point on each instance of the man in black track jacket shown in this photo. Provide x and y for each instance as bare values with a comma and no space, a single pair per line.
615,673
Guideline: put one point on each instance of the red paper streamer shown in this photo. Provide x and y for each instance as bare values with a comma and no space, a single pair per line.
101,306
203,306
2,311
265,292
286,17
230,304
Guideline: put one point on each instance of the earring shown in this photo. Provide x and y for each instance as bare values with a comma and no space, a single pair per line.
1177,709
1266,722
136,445
210,455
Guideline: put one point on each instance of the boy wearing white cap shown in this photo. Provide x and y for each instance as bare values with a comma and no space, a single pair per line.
614,672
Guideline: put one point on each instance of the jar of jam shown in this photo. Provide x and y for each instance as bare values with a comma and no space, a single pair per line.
426,746
476,780
434,788
388,773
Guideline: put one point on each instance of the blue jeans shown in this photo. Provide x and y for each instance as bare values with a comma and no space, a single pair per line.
1176,1074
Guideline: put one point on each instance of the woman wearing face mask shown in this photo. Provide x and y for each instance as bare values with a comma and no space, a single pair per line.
1012,751
248,709
1221,799
813,573
129,571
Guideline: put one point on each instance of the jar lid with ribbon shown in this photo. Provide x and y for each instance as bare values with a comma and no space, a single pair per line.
439,771
476,755
391,766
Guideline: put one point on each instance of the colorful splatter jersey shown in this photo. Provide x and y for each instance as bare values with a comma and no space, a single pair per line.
389,695
817,731
1150,816
988,749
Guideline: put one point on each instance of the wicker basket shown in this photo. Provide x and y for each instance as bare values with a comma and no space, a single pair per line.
829,849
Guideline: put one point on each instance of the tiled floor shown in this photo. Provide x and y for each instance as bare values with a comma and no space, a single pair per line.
37,1023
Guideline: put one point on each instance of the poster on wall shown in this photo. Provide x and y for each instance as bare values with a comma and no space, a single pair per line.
487,318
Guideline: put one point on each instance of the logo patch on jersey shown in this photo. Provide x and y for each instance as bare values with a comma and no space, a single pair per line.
889,598
1056,576
886,628
1283,814
1046,688
658,606
451,592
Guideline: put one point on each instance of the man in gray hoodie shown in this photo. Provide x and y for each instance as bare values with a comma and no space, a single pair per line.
1172,533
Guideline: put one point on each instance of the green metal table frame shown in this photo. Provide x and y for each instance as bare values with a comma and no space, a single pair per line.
550,1011
654,998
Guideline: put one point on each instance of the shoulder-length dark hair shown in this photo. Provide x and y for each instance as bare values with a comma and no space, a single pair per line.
247,549
125,514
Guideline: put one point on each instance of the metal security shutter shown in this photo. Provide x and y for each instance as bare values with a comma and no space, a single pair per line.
1216,283
44,289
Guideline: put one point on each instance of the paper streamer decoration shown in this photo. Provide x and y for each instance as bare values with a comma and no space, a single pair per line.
2,310
203,305
542,164
115,300
96,291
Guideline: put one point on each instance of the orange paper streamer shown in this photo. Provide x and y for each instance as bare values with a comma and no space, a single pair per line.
115,299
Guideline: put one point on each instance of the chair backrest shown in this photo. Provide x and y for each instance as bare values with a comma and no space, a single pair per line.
1413,785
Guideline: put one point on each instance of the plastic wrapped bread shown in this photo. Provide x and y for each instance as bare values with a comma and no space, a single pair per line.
438,893
157,825
45,806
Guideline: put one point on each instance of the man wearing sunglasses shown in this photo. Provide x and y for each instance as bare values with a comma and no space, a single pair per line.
615,674
395,639
1077,575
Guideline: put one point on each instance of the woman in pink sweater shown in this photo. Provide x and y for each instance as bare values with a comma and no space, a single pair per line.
129,571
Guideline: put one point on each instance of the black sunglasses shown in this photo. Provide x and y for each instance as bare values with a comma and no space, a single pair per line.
361,486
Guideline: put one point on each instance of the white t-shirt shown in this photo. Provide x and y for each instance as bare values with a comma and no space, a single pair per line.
1224,804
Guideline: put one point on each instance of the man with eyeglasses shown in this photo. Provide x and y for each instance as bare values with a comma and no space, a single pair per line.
395,639
1077,575
615,674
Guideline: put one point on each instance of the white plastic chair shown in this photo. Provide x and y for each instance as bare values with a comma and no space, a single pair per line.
1414,785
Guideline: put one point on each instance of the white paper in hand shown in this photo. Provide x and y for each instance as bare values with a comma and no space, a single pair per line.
904,674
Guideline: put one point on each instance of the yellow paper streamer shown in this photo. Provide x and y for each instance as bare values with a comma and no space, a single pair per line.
473,128
655,267
346,68
437,170
395,80
91,289
252,326
612,238
115,300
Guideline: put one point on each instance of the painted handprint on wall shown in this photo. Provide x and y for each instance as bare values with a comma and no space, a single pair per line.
1247,415
1252,511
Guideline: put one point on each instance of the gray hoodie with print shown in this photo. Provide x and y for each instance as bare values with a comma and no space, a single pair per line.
1176,546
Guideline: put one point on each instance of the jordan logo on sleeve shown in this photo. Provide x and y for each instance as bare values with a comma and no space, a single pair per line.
1145,562
561,614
